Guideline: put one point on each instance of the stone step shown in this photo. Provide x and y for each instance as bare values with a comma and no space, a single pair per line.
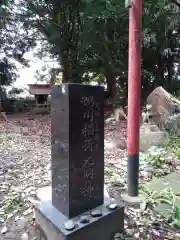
171,181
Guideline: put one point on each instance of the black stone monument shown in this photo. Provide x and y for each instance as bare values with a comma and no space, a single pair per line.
78,210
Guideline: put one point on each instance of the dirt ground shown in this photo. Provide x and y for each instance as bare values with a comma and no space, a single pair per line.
25,166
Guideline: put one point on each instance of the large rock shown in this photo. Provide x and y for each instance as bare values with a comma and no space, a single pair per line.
161,105
150,135
160,97
173,125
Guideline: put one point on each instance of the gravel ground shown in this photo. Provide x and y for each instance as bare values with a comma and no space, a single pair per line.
25,166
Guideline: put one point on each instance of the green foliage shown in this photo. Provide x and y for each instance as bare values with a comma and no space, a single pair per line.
3,141
156,156
14,42
175,219
15,91
165,196
92,37
59,24
152,198
178,153
12,204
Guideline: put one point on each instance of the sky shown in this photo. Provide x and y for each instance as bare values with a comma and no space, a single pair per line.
27,75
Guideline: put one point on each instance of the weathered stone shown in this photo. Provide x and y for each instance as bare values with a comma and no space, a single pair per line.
171,181
69,225
4,230
24,236
173,125
161,105
22,222
112,206
150,135
96,213
84,219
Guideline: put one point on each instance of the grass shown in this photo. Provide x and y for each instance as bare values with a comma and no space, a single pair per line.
11,205
4,141
165,196
178,153
158,157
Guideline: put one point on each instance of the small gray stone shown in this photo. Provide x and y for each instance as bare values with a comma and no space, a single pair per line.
145,174
129,232
24,236
10,235
84,219
148,169
69,225
177,235
96,213
22,222
112,206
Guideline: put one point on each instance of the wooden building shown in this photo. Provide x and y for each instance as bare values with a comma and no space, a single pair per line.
41,93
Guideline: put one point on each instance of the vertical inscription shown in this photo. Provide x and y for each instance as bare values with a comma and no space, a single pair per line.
77,142
61,189
90,137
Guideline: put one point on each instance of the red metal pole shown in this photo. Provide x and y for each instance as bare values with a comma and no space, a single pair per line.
134,94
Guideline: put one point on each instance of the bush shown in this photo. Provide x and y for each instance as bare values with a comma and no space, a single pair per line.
173,125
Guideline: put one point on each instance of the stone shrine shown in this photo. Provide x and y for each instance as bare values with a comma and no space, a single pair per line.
77,209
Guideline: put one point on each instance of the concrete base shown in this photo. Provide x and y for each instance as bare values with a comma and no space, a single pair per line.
172,182
132,201
45,194
51,222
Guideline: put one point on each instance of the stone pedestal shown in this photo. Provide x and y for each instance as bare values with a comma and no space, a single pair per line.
77,209
104,225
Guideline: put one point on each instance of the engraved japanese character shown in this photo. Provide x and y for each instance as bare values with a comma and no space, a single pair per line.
89,173
88,130
88,145
87,101
89,115
61,191
88,162
84,101
87,190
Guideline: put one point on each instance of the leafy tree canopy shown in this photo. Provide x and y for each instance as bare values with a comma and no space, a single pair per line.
91,36
14,42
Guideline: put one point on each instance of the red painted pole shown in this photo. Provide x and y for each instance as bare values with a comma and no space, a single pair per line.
134,95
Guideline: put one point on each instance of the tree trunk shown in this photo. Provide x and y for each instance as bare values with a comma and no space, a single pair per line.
66,62
111,88
53,73
160,74
169,77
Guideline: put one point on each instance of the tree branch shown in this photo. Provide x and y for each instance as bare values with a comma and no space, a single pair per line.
175,2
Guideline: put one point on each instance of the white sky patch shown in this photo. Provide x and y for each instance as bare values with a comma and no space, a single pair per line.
28,75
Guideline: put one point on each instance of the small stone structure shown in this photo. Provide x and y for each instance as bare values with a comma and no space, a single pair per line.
77,208
161,105
150,135
41,93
